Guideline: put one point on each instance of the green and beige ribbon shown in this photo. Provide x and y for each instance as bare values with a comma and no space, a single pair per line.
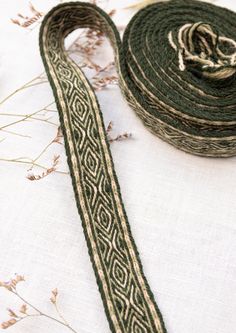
176,67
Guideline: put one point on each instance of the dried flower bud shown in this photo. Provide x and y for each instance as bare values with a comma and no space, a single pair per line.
59,135
6,285
14,282
4,325
112,12
23,309
109,127
53,299
12,313
55,292
7,324
16,22
34,10
22,16
31,176
20,278
56,160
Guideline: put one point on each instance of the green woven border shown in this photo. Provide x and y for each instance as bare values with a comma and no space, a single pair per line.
188,111
129,307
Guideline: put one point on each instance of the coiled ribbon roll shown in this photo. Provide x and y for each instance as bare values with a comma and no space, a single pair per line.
176,67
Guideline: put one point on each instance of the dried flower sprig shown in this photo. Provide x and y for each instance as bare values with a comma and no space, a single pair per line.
119,137
101,83
26,21
31,176
34,162
29,162
28,310
12,284
57,139
85,47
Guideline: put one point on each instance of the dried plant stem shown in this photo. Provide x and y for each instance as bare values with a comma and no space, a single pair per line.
30,162
18,121
55,140
60,315
45,120
18,134
24,117
28,84
42,152
41,313
51,110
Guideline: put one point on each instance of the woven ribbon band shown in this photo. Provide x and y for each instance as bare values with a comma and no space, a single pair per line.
176,67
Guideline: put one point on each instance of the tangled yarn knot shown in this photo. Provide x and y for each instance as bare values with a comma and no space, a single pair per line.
204,51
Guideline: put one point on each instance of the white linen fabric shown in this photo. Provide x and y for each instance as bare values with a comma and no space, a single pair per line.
181,209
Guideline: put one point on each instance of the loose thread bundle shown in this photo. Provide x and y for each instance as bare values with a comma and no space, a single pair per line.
199,46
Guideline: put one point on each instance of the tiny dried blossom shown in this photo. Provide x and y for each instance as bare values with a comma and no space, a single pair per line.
109,127
12,313
6,285
9,323
23,309
16,280
112,12
11,285
32,8
15,21
59,136
22,16
53,298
